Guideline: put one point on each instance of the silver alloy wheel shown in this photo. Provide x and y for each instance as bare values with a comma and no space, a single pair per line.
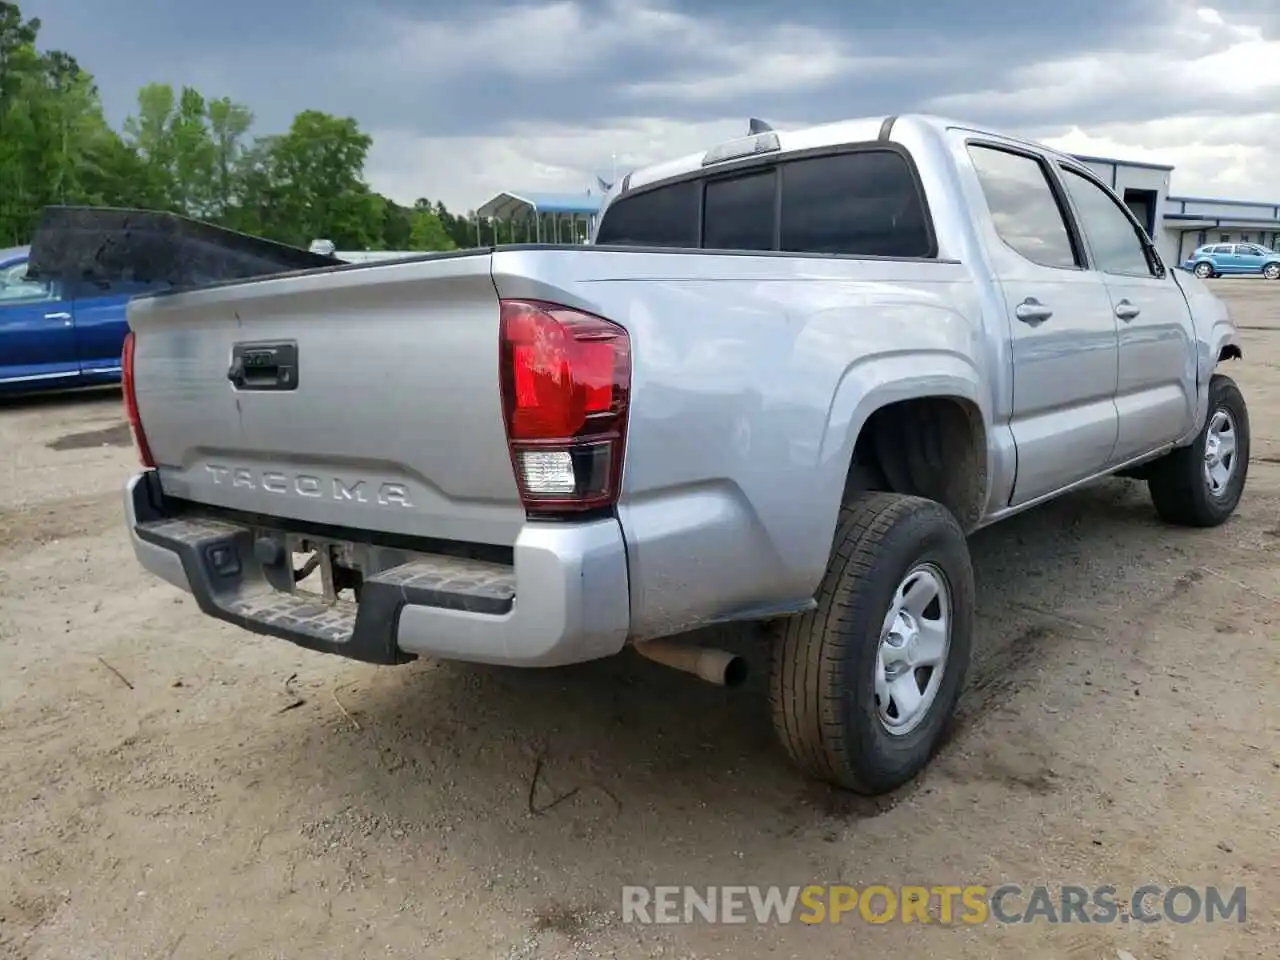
914,643
1219,452
1203,270
1271,271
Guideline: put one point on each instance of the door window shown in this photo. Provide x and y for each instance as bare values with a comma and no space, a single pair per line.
15,288
1113,237
1023,206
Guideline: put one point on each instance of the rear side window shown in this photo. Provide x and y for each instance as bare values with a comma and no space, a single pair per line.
859,203
665,217
863,204
1023,206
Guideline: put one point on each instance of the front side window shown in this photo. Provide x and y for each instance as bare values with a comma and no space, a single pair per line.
1113,237
1023,206
16,288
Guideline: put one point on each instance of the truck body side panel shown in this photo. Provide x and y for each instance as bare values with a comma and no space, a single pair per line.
752,377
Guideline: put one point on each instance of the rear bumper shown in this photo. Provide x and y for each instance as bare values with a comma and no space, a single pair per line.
563,600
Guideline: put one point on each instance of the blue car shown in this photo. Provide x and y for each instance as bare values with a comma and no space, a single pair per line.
56,336
1233,260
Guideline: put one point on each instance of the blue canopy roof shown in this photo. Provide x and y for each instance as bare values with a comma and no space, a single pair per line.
507,205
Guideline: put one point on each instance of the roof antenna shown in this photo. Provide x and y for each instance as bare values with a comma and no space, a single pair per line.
755,126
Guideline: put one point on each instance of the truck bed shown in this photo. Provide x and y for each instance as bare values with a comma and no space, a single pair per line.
748,372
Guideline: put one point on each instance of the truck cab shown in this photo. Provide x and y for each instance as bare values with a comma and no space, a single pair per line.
57,334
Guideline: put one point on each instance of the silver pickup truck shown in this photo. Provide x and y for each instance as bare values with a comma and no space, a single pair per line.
783,383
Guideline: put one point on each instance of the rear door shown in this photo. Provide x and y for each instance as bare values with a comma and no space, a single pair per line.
1226,259
1156,386
37,332
1061,325
101,323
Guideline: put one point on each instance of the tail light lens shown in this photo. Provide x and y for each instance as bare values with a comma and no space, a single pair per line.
131,403
566,380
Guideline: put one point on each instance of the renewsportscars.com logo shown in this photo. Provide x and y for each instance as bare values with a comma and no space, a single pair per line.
944,905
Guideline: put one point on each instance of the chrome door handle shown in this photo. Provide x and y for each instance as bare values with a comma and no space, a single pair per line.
64,317
1126,311
1032,311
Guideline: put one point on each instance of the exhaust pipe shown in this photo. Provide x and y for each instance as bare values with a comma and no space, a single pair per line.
720,667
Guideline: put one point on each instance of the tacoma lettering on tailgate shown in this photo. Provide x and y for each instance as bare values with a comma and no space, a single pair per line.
310,485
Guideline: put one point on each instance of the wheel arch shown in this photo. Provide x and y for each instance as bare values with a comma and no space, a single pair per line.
924,433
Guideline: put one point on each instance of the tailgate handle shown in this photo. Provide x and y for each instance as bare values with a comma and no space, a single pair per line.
264,366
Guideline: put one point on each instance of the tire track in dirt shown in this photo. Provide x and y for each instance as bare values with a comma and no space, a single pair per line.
44,522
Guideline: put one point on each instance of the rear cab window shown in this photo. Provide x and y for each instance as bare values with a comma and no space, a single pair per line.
664,217
861,201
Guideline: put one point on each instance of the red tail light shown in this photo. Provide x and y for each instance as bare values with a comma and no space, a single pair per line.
566,378
131,403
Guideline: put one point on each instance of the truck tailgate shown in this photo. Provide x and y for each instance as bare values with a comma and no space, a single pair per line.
363,397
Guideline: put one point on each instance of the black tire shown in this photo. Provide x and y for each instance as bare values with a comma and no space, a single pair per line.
1203,270
1271,271
823,670
1177,481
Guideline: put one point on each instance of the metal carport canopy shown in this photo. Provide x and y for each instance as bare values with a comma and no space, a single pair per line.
507,205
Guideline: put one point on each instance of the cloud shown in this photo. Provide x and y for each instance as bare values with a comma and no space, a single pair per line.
1212,156
1196,64
534,158
466,99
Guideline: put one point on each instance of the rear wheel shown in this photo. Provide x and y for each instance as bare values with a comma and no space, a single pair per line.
1271,271
1204,270
1200,485
863,688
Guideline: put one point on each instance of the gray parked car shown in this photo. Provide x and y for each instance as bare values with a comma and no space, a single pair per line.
783,384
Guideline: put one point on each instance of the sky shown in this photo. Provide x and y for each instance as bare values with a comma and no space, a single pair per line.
467,98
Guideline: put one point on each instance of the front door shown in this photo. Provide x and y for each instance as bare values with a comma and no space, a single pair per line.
1156,385
37,332
1248,258
1061,326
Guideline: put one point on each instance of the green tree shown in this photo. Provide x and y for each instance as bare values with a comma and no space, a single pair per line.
184,152
311,184
193,156
229,123
427,229
55,145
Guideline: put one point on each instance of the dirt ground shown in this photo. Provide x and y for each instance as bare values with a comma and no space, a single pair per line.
174,788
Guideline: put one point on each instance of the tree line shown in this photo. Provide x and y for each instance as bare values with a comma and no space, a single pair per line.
189,154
